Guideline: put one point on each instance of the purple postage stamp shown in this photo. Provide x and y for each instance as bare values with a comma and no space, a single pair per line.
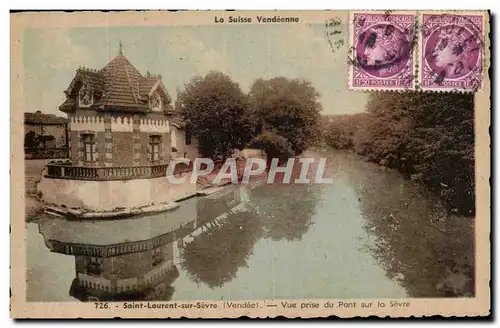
382,51
451,52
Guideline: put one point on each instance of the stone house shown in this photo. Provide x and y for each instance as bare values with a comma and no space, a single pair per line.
122,134
117,117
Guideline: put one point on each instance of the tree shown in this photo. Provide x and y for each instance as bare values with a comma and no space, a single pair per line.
430,135
427,136
288,107
339,131
274,145
31,141
216,111
386,132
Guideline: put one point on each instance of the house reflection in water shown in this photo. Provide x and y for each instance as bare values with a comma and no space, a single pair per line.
143,275
134,259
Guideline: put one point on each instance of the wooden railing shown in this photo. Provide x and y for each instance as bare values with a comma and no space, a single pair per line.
58,171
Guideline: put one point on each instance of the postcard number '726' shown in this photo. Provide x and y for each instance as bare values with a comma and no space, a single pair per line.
101,306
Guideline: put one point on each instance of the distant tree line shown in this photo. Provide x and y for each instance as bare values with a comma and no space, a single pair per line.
427,136
280,115
339,131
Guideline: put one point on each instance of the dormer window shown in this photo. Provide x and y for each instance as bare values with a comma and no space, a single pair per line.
85,96
156,102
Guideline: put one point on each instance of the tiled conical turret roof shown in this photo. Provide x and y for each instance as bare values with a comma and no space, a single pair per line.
118,86
121,84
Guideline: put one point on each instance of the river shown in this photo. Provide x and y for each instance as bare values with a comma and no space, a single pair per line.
370,234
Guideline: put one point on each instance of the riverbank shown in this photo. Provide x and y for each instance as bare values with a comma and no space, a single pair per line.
425,137
34,207
370,234
415,179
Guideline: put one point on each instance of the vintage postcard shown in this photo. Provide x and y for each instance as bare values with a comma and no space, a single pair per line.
220,164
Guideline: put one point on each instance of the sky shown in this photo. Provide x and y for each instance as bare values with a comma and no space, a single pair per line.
244,52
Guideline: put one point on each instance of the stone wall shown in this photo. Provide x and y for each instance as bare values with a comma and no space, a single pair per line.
123,154
109,195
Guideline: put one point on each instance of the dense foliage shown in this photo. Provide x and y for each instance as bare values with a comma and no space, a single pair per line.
216,111
32,141
340,130
274,145
283,113
289,107
428,136
42,147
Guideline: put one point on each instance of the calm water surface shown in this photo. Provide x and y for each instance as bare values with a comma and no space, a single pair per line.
371,233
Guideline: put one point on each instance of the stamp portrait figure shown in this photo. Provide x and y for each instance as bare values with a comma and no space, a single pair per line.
451,52
382,51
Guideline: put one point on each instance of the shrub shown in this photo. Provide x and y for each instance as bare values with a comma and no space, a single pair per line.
274,145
